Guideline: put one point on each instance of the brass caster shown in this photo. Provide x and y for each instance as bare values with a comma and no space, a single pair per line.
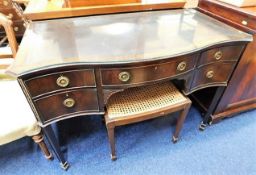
210,123
202,126
64,166
113,158
50,157
175,139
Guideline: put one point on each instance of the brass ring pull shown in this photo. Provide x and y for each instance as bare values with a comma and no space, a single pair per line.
69,102
62,81
124,76
218,55
210,74
182,66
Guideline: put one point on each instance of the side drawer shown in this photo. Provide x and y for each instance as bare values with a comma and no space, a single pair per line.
213,74
228,53
59,81
67,103
149,73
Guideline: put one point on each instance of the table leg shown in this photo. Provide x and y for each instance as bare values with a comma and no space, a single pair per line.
213,105
48,131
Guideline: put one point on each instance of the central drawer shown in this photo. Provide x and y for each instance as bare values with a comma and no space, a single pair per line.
67,103
58,81
148,73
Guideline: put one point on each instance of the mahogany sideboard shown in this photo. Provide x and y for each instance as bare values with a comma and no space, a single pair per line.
240,94
71,67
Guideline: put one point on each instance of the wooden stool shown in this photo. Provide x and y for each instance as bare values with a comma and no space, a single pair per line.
143,103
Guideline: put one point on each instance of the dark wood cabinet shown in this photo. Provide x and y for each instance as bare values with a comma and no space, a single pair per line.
240,94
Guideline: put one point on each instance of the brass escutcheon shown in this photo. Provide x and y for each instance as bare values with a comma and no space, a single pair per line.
209,74
218,55
62,81
69,102
124,76
182,66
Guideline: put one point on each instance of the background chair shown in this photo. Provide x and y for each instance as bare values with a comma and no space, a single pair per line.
16,117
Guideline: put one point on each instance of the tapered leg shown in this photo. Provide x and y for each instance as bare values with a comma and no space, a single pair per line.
215,100
55,146
111,137
180,122
39,139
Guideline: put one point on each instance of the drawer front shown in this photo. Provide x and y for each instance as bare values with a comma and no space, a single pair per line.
216,73
10,13
230,13
59,81
229,53
240,19
67,103
143,74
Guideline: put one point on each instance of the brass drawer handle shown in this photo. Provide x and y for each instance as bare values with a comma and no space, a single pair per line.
218,55
124,76
62,81
210,74
69,102
182,66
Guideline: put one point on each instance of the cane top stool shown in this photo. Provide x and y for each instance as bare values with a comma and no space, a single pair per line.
143,103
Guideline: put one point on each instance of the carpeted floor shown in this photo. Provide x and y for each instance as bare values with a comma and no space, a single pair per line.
228,147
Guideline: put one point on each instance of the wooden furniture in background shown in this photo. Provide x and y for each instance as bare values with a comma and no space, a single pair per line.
143,103
82,3
191,4
240,94
240,3
77,65
16,118
7,9
45,9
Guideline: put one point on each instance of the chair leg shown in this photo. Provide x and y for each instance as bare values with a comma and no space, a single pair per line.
180,122
40,141
111,138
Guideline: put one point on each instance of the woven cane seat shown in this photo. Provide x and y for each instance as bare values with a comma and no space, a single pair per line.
139,100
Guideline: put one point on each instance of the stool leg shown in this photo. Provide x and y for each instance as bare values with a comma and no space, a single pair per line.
180,122
111,137
40,141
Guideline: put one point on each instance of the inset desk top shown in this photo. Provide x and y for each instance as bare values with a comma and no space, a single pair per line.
119,38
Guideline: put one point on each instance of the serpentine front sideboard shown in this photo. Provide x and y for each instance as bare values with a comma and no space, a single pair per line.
71,67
